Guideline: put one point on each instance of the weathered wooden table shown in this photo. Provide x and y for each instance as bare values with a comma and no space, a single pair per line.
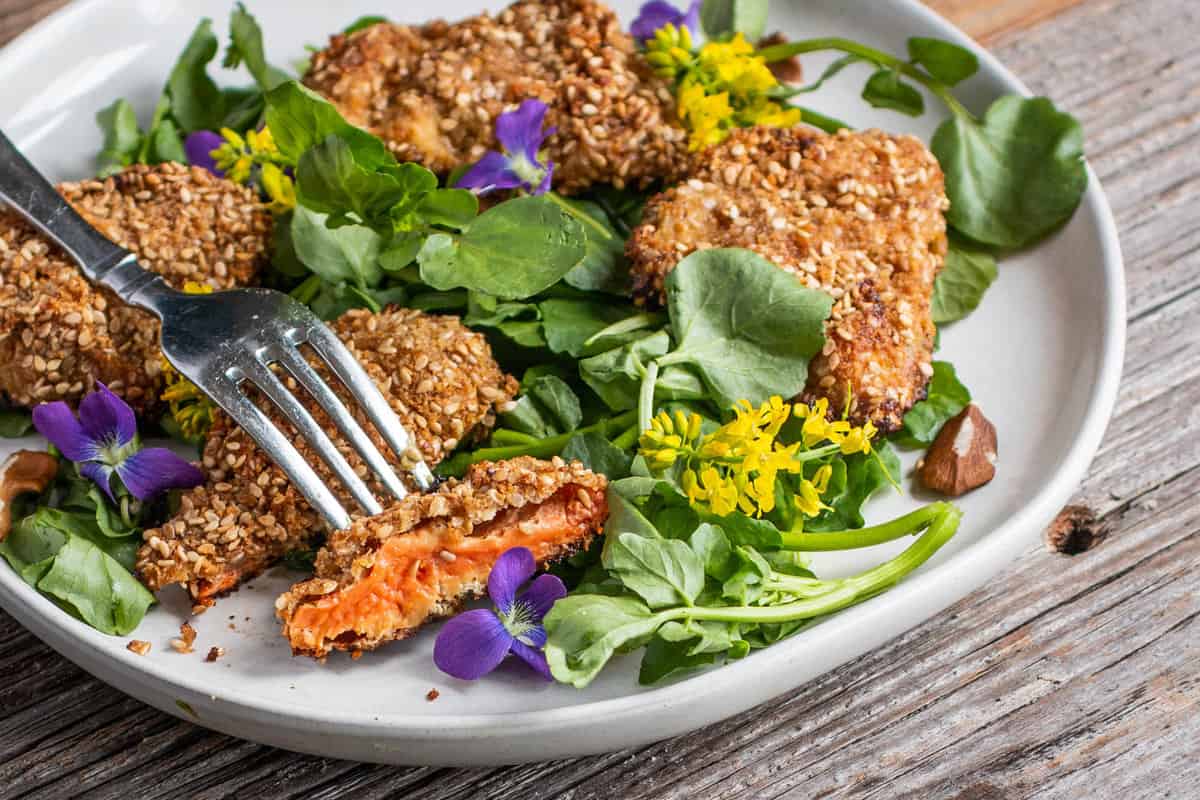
1065,677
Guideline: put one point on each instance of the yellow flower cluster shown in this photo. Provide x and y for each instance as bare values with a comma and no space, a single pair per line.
723,86
737,466
191,409
239,155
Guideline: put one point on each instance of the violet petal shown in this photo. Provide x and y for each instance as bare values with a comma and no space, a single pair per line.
100,474
534,657
489,173
155,469
57,423
471,645
654,15
520,131
692,18
514,566
199,147
106,418
543,593
544,186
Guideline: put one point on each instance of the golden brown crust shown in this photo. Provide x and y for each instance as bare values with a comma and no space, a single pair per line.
453,514
59,334
442,382
433,92
858,215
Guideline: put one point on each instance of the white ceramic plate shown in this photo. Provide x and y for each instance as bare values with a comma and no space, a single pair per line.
1042,356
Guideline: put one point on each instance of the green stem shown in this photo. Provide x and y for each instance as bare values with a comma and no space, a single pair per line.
646,396
847,591
542,448
867,53
504,436
628,438
637,322
865,537
819,120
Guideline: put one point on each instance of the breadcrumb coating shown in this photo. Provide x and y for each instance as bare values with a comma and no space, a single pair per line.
433,92
59,334
387,575
858,215
442,382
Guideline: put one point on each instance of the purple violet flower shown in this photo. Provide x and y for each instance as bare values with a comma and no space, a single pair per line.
475,642
103,440
199,147
521,135
656,14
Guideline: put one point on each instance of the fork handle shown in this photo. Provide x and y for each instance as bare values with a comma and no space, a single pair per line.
101,261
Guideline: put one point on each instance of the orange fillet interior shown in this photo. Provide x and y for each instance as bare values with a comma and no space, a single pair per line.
427,572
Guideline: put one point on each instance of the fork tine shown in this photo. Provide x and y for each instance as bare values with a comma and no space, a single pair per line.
294,362
252,420
261,376
360,385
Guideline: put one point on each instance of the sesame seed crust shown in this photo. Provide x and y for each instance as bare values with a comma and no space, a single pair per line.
437,375
860,216
493,500
59,334
433,92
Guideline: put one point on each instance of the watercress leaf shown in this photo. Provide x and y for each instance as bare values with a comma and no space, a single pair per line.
243,107
945,398
946,61
31,545
624,515
526,416
246,47
745,585
363,22
748,531
746,344
452,208
511,251
721,19
679,383
886,89
122,137
614,375
98,589
330,180
663,572
299,118
966,275
439,301
666,659
1014,177
401,251
568,324
675,521
346,254
196,102
604,267
15,423
334,299
583,631
856,479
598,454
712,546
559,401
623,331
166,144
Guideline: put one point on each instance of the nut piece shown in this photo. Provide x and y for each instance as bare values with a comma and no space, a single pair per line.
963,456
139,646
188,636
24,471
214,653
788,70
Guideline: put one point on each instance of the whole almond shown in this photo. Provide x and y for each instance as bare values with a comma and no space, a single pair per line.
963,456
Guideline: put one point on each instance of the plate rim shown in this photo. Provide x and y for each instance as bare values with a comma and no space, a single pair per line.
980,560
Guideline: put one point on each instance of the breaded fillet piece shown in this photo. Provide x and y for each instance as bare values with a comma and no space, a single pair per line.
59,334
421,559
442,382
433,92
858,215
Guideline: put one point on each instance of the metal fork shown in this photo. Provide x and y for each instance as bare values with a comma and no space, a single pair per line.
225,340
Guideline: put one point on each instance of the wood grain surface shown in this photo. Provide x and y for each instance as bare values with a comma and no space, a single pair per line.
1065,677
